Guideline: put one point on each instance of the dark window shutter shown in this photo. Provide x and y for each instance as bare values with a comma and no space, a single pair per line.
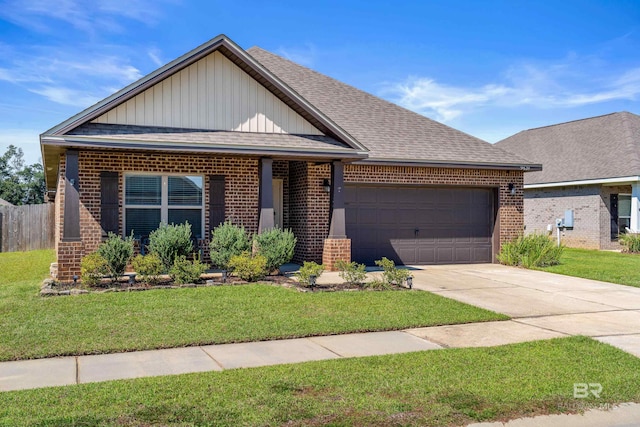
216,201
614,216
109,206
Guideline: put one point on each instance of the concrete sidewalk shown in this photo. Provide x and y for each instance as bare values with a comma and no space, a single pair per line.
26,374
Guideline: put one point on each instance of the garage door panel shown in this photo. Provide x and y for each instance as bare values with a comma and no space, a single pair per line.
454,224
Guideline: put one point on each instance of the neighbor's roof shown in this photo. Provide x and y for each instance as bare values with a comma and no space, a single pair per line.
388,131
589,149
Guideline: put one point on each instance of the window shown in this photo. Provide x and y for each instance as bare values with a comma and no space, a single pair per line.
620,208
624,212
152,199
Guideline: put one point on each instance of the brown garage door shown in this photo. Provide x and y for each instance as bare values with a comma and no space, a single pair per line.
420,225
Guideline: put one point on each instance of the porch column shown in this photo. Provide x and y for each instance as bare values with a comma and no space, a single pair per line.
265,195
71,227
337,228
336,246
635,208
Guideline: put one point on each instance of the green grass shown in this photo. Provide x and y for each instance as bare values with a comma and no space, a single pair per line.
32,326
435,388
614,267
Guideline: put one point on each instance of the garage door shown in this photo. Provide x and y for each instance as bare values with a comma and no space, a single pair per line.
420,225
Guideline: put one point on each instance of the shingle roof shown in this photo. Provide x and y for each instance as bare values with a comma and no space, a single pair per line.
198,136
389,131
595,148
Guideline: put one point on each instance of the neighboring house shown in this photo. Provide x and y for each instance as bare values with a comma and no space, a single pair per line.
222,133
3,202
590,167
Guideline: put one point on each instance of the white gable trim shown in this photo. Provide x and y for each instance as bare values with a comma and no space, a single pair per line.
601,181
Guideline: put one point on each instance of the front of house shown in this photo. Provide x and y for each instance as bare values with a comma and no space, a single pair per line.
247,136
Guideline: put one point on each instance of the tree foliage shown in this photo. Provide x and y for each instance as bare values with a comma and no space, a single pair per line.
20,184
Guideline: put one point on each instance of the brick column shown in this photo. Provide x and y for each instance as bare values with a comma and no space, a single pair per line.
334,250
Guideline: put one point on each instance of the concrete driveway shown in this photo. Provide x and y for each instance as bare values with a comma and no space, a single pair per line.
558,304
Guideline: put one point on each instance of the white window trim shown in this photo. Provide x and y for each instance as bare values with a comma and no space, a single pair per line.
164,199
623,216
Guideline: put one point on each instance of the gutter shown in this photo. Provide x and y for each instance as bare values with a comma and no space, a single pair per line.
525,167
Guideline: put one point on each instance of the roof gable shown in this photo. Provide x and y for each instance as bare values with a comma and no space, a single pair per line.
589,149
213,93
239,58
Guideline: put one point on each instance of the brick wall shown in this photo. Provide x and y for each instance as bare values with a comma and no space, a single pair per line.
241,193
309,209
590,205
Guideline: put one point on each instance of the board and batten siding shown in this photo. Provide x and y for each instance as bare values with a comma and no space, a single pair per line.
214,94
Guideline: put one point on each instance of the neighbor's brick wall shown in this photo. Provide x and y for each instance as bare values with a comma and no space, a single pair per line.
510,210
241,193
591,214
543,206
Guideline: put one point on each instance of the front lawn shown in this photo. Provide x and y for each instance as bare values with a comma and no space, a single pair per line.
435,388
32,326
606,266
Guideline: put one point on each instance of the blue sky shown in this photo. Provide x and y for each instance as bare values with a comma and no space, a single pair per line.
489,68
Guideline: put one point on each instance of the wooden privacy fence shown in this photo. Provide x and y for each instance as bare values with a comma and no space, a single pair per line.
28,227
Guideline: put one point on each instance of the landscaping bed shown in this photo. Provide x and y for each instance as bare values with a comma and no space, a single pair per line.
35,327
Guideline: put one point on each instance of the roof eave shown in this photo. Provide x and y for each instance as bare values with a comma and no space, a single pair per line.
525,167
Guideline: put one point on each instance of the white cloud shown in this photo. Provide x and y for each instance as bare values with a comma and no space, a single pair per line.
27,139
61,77
91,17
154,55
67,96
564,84
303,55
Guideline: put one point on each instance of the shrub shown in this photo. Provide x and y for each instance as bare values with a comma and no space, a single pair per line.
185,271
227,240
149,267
392,275
309,269
352,272
247,267
631,242
532,250
117,252
92,268
276,246
170,242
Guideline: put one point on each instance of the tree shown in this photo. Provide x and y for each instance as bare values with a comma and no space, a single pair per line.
20,184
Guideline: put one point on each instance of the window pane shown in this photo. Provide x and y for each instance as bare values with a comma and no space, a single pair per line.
624,205
141,221
185,190
143,190
194,216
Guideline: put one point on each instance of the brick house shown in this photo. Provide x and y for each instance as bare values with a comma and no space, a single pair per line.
591,169
223,133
